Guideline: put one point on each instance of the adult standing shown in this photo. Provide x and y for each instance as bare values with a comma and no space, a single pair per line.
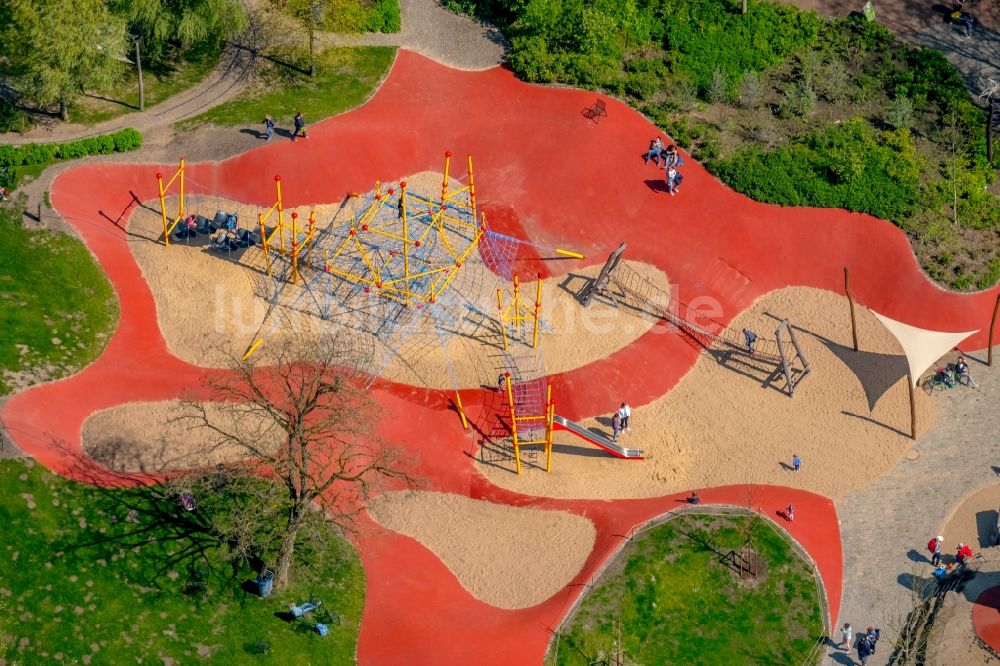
846,634
624,412
616,425
934,546
865,649
300,127
268,127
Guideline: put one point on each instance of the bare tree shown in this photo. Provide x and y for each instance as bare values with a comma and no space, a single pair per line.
325,454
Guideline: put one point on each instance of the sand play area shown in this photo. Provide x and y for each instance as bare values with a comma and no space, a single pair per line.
727,422
506,556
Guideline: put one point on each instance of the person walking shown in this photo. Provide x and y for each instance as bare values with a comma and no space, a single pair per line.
846,633
796,462
790,513
750,338
624,412
616,426
268,127
934,546
865,649
300,127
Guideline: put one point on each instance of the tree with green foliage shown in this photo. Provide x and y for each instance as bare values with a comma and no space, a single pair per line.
53,51
156,25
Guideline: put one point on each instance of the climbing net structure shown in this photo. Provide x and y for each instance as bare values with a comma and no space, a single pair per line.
406,246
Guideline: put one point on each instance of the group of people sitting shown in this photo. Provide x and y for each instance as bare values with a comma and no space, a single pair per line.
671,159
956,373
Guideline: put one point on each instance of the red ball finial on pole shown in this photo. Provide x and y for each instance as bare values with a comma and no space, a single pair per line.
159,175
447,153
277,179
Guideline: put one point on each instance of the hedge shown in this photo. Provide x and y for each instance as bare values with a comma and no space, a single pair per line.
42,153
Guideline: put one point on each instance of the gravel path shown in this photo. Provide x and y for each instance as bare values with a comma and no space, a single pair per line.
885,527
223,83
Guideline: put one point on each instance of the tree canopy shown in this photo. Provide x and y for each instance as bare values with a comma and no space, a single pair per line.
54,50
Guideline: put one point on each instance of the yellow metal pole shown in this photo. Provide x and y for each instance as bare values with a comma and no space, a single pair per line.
295,248
513,422
163,206
472,190
257,343
180,210
281,216
549,413
312,230
569,253
461,410
406,235
517,305
263,243
538,309
444,183
503,327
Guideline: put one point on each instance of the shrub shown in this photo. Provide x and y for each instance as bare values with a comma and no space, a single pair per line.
751,90
42,153
849,166
384,17
834,82
800,100
900,113
718,88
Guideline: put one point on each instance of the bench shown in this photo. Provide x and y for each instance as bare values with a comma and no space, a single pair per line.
596,111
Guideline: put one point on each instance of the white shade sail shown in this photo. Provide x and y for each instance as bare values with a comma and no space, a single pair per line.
922,347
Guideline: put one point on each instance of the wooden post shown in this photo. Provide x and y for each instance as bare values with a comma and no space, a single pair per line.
854,321
913,406
993,323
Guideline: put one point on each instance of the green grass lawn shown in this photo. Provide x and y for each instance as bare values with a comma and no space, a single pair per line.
344,79
679,604
98,576
57,309
159,83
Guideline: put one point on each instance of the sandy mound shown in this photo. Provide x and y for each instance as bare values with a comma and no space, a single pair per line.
724,424
974,521
493,549
211,306
153,437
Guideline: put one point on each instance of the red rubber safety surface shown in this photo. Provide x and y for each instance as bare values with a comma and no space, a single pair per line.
544,173
986,617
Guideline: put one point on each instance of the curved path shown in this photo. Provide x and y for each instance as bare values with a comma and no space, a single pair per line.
226,81
713,243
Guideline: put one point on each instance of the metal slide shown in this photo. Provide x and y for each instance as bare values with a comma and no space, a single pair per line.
559,423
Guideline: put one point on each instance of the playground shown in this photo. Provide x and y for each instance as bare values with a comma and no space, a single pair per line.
468,321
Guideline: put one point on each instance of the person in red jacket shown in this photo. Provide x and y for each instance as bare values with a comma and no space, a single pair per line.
964,553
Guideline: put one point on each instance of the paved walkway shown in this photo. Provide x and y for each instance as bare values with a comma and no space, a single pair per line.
885,527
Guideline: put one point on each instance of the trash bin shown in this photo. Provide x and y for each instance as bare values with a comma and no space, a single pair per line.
265,583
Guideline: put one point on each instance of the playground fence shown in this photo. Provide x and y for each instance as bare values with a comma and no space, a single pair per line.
812,656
